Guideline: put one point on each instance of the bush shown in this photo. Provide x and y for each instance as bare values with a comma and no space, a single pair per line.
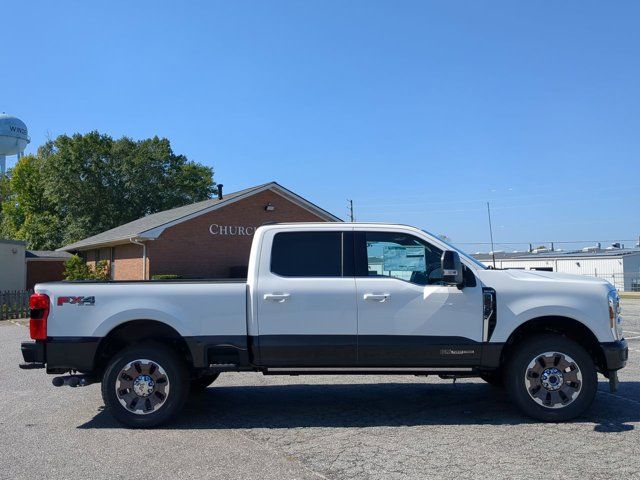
76,269
101,271
165,276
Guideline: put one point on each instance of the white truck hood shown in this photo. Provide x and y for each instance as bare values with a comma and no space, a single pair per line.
537,275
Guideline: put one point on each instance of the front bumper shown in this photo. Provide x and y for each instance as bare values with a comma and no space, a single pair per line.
33,354
616,354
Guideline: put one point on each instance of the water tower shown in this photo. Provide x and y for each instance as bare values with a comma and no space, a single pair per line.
14,138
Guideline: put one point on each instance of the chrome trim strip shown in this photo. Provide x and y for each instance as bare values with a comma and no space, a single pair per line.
485,329
369,369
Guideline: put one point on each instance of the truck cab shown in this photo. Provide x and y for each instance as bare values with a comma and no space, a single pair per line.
337,298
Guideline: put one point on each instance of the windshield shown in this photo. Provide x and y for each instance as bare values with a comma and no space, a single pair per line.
465,255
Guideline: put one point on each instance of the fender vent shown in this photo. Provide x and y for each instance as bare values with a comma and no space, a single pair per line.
489,311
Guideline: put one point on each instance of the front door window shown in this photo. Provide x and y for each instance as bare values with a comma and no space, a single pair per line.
402,256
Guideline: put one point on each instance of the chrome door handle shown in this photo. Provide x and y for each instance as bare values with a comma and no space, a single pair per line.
276,297
377,297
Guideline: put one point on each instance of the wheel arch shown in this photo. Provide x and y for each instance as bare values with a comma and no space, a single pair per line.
136,331
561,325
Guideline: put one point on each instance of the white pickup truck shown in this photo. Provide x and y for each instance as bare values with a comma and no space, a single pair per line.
333,298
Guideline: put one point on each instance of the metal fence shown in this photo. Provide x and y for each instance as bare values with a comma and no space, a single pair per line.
624,282
14,304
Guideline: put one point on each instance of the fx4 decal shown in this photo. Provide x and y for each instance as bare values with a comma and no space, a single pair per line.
80,301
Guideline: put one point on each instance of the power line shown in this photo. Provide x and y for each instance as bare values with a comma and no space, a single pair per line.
392,209
550,241
373,202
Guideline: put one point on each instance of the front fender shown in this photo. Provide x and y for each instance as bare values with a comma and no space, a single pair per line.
510,318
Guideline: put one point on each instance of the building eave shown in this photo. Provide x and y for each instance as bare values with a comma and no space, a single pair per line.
50,259
112,243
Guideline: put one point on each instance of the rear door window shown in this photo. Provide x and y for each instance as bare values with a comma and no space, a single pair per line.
307,254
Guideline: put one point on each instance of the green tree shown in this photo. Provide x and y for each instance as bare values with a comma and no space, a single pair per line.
27,214
80,185
76,269
5,195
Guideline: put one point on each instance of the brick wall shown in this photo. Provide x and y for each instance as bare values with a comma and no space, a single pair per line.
127,263
189,249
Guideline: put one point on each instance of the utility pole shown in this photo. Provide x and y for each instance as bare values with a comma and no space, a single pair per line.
493,252
352,219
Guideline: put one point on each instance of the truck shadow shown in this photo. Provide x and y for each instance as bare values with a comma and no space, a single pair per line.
372,405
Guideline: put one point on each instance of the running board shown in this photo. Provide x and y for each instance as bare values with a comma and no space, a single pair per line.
363,370
224,367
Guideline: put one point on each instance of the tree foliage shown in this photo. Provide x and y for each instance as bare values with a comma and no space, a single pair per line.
76,269
26,212
78,186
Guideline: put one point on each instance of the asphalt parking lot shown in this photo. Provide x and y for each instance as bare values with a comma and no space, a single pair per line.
379,427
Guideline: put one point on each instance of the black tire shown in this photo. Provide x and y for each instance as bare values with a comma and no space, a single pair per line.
494,378
201,383
166,386
553,388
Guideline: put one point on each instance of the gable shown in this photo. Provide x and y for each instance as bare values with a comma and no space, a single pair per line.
242,217
274,188
152,226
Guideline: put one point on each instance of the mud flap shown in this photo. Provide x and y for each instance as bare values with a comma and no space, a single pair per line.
613,381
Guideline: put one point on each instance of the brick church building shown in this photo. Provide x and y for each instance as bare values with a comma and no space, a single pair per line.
209,239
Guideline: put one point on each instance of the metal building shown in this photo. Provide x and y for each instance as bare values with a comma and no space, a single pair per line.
619,266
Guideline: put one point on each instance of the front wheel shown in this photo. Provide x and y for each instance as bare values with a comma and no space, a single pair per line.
145,385
551,378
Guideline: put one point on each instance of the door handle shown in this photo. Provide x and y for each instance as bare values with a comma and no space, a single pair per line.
377,297
276,297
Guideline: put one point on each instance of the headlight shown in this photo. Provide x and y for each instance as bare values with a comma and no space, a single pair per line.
614,314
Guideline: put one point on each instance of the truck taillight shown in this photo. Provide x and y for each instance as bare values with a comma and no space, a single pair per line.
39,312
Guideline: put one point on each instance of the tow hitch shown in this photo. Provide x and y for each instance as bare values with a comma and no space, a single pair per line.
73,381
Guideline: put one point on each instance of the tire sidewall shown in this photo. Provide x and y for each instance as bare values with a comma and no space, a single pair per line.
518,364
175,371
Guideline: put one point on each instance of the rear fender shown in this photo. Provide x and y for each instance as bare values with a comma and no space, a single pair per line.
142,314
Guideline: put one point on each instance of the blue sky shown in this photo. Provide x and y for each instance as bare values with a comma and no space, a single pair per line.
418,111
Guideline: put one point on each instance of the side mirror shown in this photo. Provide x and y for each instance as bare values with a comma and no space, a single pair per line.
452,268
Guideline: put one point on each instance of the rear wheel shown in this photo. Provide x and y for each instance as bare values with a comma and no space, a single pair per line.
201,383
145,385
552,378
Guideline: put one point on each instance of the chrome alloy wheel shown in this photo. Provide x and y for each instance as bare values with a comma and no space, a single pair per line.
142,386
553,380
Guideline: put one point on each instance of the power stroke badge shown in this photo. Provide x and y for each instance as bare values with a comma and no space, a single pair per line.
452,351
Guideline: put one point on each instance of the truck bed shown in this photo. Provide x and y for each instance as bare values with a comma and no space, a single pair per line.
191,307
